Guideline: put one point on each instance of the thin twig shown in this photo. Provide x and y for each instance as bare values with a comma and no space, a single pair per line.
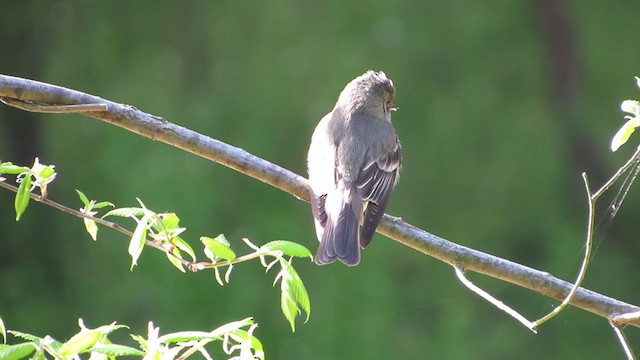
632,160
239,259
100,221
585,260
623,342
55,109
497,303
591,200
193,266
69,210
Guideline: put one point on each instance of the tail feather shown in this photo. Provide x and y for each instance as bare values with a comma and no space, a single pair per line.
340,239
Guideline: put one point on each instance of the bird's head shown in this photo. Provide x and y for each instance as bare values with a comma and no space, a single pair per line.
371,93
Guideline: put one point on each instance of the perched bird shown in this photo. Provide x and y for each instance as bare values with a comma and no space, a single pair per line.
354,163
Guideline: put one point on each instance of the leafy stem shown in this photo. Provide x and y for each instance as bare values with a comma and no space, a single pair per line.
162,231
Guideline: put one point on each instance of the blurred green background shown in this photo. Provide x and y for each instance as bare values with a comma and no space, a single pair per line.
502,105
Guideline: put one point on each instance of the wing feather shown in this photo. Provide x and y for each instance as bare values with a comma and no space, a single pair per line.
374,185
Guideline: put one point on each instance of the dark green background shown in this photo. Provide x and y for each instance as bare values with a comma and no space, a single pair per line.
502,105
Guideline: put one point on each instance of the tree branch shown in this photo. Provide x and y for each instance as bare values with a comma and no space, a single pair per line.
36,94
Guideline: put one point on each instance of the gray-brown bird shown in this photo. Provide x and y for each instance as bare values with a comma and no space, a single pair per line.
354,163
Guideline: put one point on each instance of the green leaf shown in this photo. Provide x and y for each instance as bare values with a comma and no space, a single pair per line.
22,196
46,172
217,248
18,351
102,204
289,307
126,212
43,174
107,329
92,228
184,246
300,292
137,240
174,257
184,336
256,344
39,355
25,336
83,197
293,294
216,272
80,342
232,326
3,332
9,168
116,350
170,220
140,340
623,134
223,239
288,248
630,106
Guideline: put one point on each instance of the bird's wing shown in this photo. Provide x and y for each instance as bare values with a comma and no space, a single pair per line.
374,185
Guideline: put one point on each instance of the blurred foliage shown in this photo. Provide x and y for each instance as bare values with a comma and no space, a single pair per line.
95,344
494,140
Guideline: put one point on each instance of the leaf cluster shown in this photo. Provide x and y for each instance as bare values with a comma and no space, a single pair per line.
162,231
236,337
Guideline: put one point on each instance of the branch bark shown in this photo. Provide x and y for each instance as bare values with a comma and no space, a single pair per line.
35,94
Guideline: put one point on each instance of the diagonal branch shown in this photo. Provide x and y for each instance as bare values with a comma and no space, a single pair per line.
36,94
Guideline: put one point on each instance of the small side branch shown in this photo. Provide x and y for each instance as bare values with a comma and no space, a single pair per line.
193,266
56,109
585,260
497,303
68,210
632,161
109,224
624,343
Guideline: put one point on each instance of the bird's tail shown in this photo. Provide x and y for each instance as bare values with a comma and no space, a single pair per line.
341,239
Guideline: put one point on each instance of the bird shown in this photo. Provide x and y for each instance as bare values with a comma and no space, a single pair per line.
354,162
